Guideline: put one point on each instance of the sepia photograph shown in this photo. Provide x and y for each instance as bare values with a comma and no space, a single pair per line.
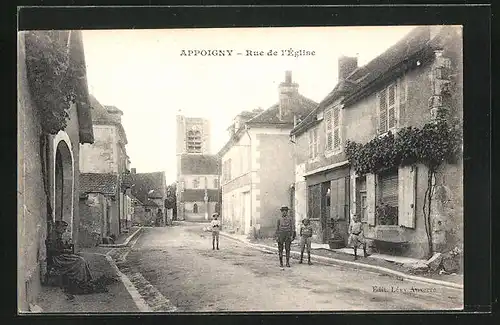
243,169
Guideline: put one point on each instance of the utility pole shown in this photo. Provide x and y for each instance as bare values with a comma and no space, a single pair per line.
206,198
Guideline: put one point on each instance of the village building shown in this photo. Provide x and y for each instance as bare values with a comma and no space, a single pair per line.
49,138
108,155
258,163
197,171
98,192
404,86
149,192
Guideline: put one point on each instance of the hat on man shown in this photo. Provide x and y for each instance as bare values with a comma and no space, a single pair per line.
284,208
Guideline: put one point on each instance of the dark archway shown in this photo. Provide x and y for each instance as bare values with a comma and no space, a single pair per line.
64,185
195,208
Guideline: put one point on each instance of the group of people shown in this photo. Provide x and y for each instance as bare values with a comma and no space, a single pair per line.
285,234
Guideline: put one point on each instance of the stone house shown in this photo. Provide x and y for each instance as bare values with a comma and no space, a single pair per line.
48,160
107,155
397,89
258,163
97,193
149,191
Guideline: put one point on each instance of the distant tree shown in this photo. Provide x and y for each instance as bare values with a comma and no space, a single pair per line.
171,200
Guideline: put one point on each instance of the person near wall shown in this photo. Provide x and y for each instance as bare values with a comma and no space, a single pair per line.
74,269
356,236
215,227
305,234
285,234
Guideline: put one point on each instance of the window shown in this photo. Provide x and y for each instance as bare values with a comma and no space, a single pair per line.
332,120
389,102
387,203
194,141
195,208
361,199
196,183
313,143
216,183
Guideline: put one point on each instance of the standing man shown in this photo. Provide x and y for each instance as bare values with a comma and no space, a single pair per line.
215,225
285,234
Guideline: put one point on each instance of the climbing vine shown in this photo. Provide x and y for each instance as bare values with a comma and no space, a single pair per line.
52,78
430,145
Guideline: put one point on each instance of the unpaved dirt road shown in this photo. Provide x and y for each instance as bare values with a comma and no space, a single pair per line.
179,263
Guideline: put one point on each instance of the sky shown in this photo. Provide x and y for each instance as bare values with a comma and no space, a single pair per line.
145,74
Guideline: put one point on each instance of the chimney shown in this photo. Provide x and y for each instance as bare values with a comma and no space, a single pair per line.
287,90
346,66
133,170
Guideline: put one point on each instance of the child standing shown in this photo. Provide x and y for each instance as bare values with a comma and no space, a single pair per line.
356,236
306,232
215,227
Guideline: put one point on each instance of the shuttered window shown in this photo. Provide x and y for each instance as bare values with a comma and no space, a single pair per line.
389,102
388,195
329,133
336,128
313,143
332,121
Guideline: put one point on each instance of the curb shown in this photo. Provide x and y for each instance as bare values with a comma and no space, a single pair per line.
125,243
329,260
134,294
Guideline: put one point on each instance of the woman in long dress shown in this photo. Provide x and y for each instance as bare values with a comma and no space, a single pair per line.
74,268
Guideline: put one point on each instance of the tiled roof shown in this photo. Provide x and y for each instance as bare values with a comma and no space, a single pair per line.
101,115
190,195
148,185
300,106
199,164
98,183
412,44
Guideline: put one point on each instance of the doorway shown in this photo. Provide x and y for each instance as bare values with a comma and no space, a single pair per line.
325,211
63,186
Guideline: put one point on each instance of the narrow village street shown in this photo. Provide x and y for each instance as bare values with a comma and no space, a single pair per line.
184,271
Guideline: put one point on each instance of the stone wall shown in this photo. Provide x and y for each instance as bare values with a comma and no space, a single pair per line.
92,213
277,174
32,212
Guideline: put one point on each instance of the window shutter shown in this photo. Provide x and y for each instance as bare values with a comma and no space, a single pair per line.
336,129
370,192
382,104
403,94
316,142
310,145
407,188
328,121
391,108
341,203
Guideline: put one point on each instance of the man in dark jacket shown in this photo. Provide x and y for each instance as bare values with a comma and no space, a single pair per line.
285,234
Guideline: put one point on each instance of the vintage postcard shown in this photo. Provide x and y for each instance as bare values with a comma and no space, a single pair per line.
240,169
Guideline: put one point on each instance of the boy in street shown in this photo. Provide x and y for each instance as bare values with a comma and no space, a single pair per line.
285,234
356,236
306,232
215,227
